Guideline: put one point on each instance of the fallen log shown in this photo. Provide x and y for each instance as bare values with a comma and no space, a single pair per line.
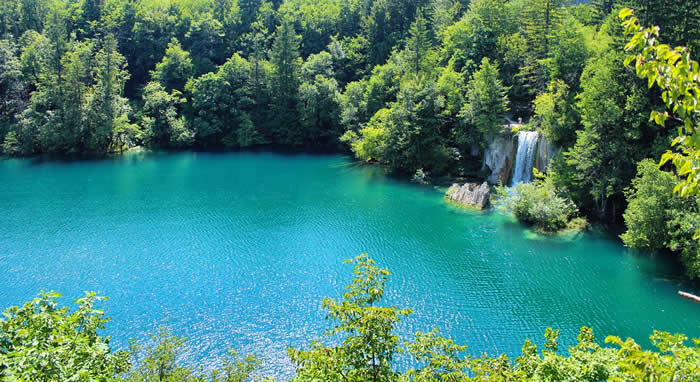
689,296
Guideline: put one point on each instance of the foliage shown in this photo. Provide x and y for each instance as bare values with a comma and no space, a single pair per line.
615,134
650,201
556,114
175,68
370,145
13,97
40,341
159,363
486,105
160,122
361,356
285,59
538,204
10,145
222,104
682,230
658,219
678,76
369,343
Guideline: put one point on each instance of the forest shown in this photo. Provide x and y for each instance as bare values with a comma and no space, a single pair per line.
420,87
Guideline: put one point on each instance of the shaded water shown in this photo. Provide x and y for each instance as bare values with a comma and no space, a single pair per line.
238,250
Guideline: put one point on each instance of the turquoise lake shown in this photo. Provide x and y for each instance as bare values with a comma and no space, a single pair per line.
237,250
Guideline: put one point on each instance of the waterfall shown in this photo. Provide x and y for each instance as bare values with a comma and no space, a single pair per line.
525,156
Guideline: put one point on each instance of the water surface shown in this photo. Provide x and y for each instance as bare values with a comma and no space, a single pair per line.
237,250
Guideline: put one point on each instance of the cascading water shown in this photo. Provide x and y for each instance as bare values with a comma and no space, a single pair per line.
525,157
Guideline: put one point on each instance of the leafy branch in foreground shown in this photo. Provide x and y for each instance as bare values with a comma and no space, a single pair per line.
678,76
42,342
370,344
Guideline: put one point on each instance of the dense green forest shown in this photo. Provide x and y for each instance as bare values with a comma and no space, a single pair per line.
41,341
418,86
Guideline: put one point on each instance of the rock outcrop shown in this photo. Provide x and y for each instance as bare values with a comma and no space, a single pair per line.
545,152
470,194
499,158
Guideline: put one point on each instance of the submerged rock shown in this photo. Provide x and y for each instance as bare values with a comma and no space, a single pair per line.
470,194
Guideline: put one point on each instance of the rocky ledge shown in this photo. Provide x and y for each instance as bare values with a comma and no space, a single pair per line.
470,194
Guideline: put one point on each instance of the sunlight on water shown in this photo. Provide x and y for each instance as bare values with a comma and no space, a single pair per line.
237,250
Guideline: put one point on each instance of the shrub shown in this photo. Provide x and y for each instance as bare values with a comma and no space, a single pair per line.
656,218
537,204
10,145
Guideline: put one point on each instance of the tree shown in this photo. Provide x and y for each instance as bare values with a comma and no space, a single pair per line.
261,82
603,8
285,60
419,44
678,20
656,218
319,110
383,85
444,13
415,137
32,15
107,111
369,344
40,341
205,42
556,114
649,203
539,18
370,144
476,35
162,127
612,107
568,53
678,76
485,107
175,68
13,91
159,363
152,32
353,106
320,64
11,145
56,111
682,231
222,104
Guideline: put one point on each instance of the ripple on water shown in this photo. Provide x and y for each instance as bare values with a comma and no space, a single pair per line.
237,250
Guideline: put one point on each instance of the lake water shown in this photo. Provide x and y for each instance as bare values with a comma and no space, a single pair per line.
237,250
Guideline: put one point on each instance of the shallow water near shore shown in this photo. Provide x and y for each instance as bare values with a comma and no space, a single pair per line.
238,249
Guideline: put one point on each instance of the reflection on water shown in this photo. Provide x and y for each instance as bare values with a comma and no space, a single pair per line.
237,250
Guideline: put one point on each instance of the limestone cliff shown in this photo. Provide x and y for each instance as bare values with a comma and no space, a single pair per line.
545,152
499,158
